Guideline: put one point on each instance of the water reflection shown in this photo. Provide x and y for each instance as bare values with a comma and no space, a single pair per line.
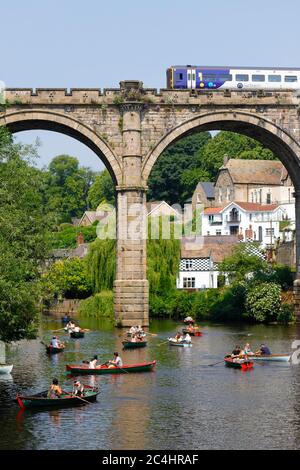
224,408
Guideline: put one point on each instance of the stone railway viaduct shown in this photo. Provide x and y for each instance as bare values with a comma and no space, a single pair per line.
129,127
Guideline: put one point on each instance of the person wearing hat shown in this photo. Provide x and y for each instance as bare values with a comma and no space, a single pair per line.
78,388
93,362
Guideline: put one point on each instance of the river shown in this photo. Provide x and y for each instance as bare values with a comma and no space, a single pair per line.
183,404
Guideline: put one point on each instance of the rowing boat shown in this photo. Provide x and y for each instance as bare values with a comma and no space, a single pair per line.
195,332
40,400
273,357
104,369
134,344
181,344
51,350
77,334
243,364
5,368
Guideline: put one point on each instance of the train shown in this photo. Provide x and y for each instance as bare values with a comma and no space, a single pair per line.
195,77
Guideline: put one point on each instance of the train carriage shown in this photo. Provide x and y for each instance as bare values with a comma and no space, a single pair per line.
232,78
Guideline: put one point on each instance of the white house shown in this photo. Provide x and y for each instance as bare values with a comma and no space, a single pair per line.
200,257
246,220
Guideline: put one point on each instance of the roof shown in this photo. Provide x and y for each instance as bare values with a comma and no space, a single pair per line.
214,247
152,205
243,67
246,206
265,172
208,188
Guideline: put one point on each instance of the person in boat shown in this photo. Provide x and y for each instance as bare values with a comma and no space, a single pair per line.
55,390
247,350
93,362
236,351
263,351
132,330
78,388
70,326
54,342
116,362
186,338
188,320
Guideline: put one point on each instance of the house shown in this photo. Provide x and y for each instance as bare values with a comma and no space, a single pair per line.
204,194
161,208
255,181
245,220
199,261
89,217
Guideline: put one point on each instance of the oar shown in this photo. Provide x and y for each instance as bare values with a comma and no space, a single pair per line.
210,365
164,342
152,334
76,396
56,331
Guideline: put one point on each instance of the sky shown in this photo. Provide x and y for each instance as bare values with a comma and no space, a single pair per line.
98,43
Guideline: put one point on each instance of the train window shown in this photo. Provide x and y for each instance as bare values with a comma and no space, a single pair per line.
258,78
274,78
242,77
209,77
225,78
290,78
180,76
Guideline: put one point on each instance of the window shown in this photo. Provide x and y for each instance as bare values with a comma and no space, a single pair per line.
268,198
225,78
180,76
211,219
274,78
188,264
242,77
269,232
290,78
211,77
188,282
258,78
218,232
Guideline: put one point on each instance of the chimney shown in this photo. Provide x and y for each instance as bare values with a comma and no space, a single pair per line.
225,159
80,239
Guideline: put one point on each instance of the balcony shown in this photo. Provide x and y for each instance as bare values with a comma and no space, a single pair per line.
233,219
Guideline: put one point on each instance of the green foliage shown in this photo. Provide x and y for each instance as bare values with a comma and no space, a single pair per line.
68,278
102,190
66,237
235,146
168,178
263,302
66,188
23,240
101,262
242,263
286,314
100,305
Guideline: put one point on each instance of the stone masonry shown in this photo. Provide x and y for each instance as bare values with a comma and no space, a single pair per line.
129,127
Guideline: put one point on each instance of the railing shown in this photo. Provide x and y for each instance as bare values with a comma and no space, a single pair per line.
233,218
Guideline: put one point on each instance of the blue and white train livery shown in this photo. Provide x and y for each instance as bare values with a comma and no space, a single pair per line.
232,78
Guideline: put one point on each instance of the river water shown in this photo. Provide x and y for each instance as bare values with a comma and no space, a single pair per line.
183,404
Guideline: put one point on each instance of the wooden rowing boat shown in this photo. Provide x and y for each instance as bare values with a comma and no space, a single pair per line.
181,344
104,369
40,400
5,368
243,364
51,350
273,357
134,344
77,334
195,332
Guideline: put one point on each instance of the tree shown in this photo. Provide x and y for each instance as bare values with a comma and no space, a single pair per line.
66,188
102,190
235,146
263,301
23,240
167,181
243,264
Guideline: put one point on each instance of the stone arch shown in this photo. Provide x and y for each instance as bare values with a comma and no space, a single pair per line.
18,121
265,131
